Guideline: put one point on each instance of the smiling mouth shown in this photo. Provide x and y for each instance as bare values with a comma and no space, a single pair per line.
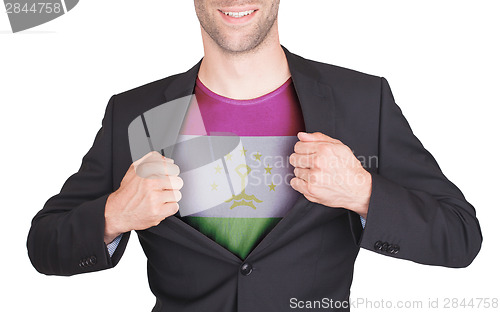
238,14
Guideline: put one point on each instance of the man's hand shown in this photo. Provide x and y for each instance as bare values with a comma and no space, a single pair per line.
327,172
148,193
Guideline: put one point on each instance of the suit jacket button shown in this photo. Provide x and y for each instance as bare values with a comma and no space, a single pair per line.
390,249
83,263
246,269
378,245
396,249
93,260
384,246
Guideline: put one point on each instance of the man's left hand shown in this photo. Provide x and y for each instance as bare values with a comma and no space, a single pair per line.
327,172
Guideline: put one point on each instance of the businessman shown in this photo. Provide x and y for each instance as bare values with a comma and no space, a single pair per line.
293,235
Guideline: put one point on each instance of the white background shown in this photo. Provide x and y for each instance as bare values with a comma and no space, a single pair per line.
440,58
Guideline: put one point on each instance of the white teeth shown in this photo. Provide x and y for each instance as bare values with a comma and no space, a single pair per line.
239,14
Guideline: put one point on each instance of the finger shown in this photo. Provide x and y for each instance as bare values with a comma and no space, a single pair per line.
157,169
171,196
301,186
143,158
298,184
172,183
309,147
157,157
152,156
311,176
132,170
169,160
151,170
316,137
172,169
302,173
302,161
170,208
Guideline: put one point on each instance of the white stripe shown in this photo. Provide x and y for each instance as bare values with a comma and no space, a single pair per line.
198,198
63,3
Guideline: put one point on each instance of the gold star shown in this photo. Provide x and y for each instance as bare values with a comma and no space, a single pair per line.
228,156
243,151
268,169
257,156
218,169
271,187
214,186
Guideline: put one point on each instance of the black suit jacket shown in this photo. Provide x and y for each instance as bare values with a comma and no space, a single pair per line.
415,212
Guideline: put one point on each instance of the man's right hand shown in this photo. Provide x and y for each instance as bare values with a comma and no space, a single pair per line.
148,193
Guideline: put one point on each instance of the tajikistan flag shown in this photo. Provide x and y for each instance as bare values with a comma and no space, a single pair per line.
235,188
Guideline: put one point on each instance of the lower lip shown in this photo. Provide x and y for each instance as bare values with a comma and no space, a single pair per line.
237,20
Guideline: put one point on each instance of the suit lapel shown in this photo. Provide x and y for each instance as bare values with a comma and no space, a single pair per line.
318,109
183,84
315,98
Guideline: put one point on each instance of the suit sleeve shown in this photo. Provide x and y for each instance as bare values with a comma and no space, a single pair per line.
67,236
415,212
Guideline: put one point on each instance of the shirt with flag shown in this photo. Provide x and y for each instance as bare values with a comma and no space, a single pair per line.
238,196
243,191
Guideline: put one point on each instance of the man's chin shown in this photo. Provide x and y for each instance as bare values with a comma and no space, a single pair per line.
239,45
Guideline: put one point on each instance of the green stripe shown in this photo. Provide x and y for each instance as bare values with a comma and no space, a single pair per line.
238,235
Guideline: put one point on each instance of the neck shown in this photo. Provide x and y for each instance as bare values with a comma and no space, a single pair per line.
245,75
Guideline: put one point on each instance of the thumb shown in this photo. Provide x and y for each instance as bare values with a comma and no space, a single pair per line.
316,137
